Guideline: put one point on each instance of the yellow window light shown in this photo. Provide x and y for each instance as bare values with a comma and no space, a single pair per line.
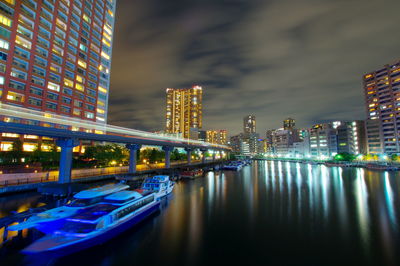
103,90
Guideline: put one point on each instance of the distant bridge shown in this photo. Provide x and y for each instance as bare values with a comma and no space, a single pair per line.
69,131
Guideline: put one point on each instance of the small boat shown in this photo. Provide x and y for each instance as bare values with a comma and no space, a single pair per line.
47,220
191,174
160,185
235,166
97,224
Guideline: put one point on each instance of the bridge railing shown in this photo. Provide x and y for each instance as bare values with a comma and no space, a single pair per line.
51,176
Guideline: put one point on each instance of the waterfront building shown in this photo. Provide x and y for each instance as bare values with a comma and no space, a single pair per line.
184,110
55,56
213,136
351,137
323,141
216,136
382,101
249,124
300,149
245,144
282,141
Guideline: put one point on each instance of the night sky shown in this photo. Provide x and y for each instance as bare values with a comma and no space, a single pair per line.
273,58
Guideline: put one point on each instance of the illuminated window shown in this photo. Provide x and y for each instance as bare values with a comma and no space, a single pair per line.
29,146
5,20
82,63
103,90
15,97
80,79
106,42
52,86
77,112
6,146
10,135
106,56
68,82
30,137
79,87
4,44
23,42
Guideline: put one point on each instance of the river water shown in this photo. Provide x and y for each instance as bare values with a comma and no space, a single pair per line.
270,213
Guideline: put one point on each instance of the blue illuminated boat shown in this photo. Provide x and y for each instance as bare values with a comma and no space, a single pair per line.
97,224
160,185
47,221
235,166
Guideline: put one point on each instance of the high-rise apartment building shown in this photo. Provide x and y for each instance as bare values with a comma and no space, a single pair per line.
55,56
184,110
249,124
382,99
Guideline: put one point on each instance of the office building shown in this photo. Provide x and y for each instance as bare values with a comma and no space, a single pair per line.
282,141
184,110
351,137
323,141
55,56
382,101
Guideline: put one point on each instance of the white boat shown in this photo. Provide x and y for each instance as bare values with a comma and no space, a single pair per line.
97,224
47,220
160,185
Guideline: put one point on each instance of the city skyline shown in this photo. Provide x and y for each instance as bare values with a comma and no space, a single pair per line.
313,78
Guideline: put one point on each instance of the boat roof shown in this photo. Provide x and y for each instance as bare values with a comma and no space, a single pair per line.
161,177
93,213
124,195
100,191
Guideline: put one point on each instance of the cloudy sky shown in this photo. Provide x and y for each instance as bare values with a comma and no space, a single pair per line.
271,58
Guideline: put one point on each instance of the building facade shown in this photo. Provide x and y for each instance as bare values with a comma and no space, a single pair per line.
323,141
214,136
382,102
184,110
55,56
249,124
351,137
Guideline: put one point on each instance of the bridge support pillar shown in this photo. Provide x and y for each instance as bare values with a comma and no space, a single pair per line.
133,148
167,150
214,154
189,155
67,145
203,156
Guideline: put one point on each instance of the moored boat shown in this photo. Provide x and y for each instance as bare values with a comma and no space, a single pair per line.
47,221
235,166
191,174
161,185
97,224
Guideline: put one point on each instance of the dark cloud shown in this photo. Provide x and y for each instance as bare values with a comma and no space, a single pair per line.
276,58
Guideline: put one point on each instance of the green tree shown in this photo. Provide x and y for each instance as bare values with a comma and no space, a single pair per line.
17,151
344,157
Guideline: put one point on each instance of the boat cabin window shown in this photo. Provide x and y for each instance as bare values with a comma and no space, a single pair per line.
84,202
78,227
134,207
